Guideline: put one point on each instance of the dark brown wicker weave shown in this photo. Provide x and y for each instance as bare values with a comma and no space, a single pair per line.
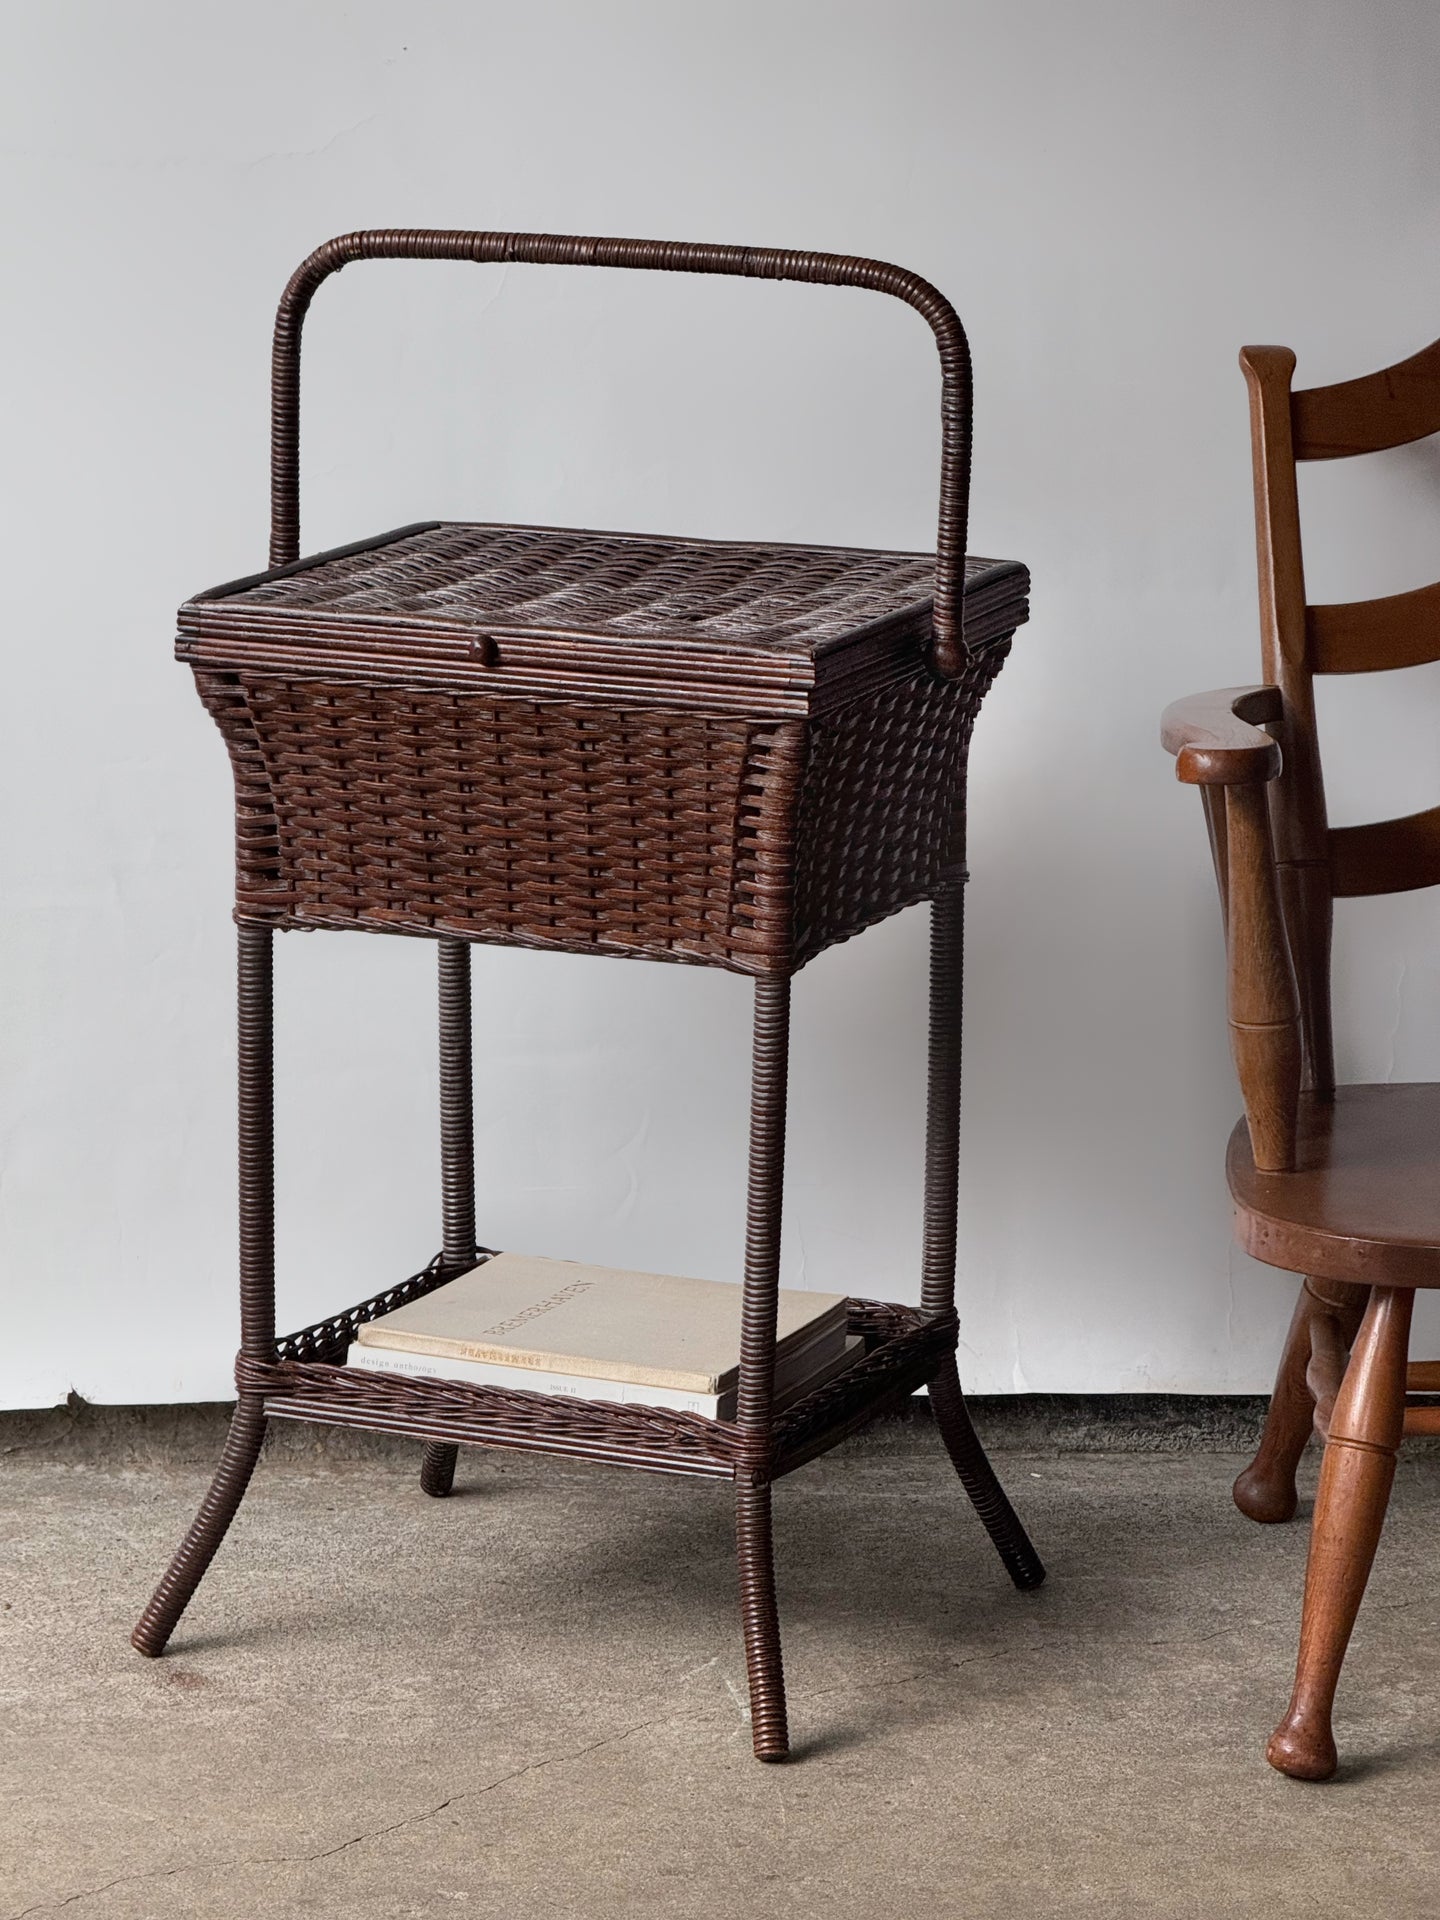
728,754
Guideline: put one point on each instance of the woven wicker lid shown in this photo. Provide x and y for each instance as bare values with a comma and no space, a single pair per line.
572,613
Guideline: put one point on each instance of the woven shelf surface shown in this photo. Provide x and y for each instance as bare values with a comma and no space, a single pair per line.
307,1380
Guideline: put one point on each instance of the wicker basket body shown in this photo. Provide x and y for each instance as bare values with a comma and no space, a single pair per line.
727,754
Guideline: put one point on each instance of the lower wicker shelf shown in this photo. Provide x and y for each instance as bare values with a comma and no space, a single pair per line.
307,1381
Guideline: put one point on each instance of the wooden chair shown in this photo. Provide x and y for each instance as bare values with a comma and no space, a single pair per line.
1339,1184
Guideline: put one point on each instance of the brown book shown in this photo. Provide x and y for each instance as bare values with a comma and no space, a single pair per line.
605,1323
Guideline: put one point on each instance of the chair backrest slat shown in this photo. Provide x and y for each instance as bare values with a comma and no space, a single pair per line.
1386,409
1375,636
1386,856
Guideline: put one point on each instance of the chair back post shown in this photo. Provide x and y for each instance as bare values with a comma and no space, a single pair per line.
1297,798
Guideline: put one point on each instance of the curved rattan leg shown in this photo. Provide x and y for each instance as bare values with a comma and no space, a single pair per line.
977,1476
763,1665
1355,1480
937,1291
207,1530
255,1008
1265,1491
457,1158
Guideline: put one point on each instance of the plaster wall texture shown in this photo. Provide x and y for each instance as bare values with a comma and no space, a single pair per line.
1116,196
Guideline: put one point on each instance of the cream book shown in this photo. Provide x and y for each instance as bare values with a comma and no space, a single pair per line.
570,1386
600,1323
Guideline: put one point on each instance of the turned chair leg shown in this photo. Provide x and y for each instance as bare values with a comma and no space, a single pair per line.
1355,1480
256,1010
457,1159
1325,1312
942,1155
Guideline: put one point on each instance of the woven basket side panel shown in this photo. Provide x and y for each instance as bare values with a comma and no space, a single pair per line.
882,804
532,823
259,891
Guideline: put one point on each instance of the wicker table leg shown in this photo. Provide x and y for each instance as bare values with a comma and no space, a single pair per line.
207,1529
457,1157
760,1619
942,1148
754,1413
977,1476
437,1468
257,1293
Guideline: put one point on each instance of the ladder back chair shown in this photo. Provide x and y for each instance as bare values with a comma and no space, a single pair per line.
1340,1184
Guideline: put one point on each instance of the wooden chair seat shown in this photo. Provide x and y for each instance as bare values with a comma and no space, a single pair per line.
1363,1203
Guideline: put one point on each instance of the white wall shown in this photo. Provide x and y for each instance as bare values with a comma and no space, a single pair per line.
1115,193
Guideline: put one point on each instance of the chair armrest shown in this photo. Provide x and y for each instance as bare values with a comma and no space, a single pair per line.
1216,737
1218,747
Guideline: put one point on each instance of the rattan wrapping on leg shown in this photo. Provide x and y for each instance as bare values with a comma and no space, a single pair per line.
978,1477
756,1396
255,1011
207,1529
755,1551
942,1148
457,1157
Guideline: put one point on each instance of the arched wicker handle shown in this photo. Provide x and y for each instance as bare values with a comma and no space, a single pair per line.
759,263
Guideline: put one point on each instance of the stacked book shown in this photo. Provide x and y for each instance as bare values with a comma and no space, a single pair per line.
601,1333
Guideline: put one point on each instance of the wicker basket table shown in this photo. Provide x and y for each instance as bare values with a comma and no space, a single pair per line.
727,754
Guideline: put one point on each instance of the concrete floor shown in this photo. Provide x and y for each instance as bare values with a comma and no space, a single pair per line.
530,1700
